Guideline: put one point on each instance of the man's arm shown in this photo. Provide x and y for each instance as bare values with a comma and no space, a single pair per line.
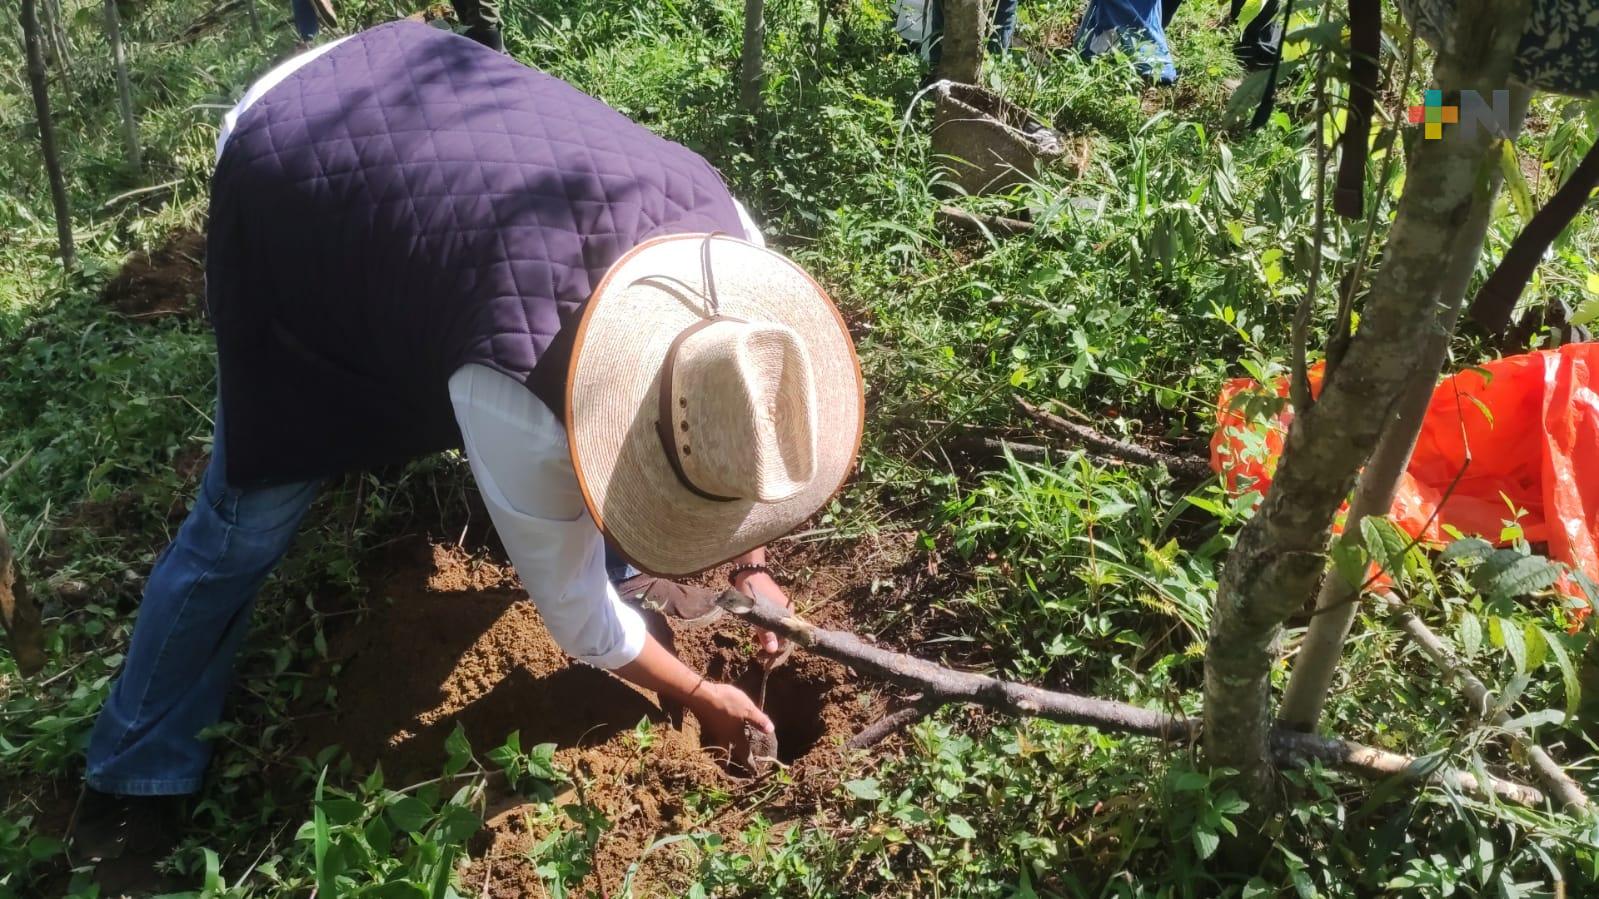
519,458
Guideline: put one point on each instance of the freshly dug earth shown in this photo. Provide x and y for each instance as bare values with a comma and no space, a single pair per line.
455,641
168,281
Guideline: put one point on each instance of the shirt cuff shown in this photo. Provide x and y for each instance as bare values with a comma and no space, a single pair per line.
633,634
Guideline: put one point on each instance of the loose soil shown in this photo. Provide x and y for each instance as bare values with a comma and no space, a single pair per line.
168,281
459,644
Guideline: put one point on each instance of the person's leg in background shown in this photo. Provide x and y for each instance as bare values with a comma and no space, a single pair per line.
305,20
193,618
1002,27
1132,27
482,21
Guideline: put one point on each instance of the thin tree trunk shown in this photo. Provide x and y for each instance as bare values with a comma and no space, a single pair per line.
130,125
1336,603
255,20
57,33
961,59
1281,554
47,132
751,61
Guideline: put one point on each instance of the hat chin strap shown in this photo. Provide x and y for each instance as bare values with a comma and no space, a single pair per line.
663,421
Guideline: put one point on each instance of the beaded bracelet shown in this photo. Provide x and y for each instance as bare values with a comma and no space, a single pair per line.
743,567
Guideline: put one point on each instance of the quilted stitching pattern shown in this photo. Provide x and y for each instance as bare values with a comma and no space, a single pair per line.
403,205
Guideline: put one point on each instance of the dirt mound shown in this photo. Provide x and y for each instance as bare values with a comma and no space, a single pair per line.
457,643
168,281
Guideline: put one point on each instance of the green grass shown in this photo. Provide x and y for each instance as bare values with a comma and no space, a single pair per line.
1173,259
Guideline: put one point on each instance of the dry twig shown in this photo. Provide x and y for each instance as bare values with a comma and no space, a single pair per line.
1184,466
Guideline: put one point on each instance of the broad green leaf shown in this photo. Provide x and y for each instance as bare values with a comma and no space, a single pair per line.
458,752
1470,634
1507,635
960,827
1537,719
1466,548
1568,674
340,810
1350,561
409,814
1206,842
865,788
1522,576
1537,646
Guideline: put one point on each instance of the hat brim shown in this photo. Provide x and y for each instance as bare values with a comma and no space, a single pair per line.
613,387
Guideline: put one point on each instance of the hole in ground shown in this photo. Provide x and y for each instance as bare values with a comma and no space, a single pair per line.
795,699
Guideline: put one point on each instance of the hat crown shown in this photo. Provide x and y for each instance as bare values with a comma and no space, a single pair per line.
744,410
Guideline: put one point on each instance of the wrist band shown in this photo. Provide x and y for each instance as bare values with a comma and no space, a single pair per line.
748,567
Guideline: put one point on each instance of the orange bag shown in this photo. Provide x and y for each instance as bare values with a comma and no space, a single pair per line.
1532,429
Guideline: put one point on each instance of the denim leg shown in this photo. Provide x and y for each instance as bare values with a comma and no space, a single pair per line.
1004,26
617,567
194,616
305,22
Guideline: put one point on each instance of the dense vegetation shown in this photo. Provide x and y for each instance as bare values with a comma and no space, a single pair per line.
1168,258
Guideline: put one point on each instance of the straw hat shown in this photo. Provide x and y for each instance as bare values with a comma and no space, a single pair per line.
713,401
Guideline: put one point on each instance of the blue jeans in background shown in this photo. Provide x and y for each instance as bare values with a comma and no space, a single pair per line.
1004,25
305,21
194,617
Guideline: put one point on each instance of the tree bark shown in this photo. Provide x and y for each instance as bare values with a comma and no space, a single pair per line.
255,19
47,132
1280,557
938,686
751,61
130,124
961,56
1336,603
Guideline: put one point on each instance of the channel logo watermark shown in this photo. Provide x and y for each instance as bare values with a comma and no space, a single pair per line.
1471,113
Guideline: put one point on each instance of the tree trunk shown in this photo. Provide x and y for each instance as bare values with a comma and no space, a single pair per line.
47,131
751,59
961,58
55,32
1337,602
255,20
130,125
1280,557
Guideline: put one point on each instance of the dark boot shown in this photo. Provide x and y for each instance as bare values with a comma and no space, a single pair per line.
107,827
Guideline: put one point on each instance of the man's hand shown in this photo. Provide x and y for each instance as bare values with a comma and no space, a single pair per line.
723,710
760,584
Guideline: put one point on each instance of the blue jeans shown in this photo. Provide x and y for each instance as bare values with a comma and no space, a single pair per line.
195,615
1004,25
305,21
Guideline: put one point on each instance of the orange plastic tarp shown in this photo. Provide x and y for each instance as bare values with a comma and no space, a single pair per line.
1531,423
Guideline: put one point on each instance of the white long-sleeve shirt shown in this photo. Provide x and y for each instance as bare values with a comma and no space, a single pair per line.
518,453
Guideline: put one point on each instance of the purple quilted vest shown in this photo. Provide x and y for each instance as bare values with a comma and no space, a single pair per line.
405,204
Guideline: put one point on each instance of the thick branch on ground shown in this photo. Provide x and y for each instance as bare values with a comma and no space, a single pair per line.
944,686
1110,446
1544,767
1279,559
979,223
890,724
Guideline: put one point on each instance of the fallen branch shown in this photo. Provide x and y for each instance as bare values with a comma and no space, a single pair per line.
976,444
979,223
1180,465
945,686
1544,767
891,724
